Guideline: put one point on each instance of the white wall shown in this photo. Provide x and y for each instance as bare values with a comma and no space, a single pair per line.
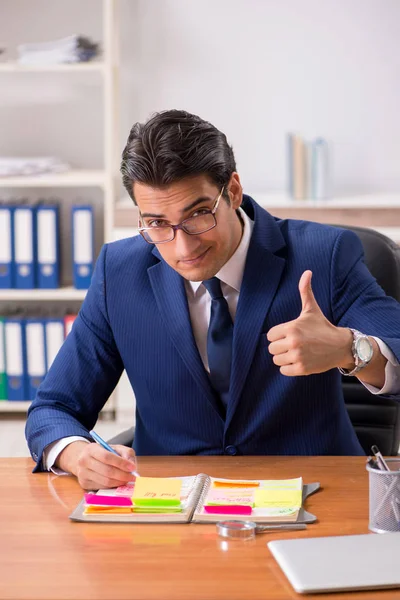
258,68
255,68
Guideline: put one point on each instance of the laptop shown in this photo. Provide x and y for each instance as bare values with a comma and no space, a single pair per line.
339,563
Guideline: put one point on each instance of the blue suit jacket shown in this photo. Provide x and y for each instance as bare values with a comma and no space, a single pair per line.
135,315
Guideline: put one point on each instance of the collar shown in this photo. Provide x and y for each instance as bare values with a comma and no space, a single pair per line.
232,271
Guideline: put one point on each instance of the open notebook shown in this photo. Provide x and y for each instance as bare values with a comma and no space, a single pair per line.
200,499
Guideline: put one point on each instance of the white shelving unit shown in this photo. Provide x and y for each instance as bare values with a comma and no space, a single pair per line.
104,178
72,178
65,293
14,67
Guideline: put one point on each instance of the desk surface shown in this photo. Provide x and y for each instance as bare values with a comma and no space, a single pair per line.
44,555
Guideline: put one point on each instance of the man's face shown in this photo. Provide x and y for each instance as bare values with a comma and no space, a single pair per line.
195,257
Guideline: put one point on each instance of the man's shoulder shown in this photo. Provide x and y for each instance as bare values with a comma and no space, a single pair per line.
310,233
129,252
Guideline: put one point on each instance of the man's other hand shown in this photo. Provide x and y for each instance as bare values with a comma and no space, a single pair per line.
309,344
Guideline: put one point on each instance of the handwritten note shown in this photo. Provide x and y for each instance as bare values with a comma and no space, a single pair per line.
230,496
157,492
274,498
284,493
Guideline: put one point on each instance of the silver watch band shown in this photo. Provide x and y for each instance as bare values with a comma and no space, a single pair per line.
358,364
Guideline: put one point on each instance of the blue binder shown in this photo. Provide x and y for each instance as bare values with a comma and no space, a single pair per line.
35,355
48,246
6,246
25,246
54,333
82,246
15,359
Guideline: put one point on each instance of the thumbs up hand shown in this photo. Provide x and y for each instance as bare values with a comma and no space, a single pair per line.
310,344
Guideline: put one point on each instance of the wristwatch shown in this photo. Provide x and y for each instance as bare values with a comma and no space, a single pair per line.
362,350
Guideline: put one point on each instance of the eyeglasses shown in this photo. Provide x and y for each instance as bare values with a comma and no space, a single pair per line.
195,225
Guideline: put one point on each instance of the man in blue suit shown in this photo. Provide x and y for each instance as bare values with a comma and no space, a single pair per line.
211,312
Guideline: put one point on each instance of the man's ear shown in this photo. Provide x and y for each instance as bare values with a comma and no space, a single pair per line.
235,190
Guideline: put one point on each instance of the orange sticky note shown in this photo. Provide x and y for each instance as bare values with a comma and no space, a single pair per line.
241,483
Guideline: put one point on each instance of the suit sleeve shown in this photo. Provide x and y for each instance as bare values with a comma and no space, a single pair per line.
357,300
82,376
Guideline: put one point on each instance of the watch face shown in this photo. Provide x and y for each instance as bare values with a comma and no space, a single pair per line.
364,349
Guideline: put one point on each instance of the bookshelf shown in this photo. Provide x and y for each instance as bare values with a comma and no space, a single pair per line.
14,67
72,178
67,293
104,178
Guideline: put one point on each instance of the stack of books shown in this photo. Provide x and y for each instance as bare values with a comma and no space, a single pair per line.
308,168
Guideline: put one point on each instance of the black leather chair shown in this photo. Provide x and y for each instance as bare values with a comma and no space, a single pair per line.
376,419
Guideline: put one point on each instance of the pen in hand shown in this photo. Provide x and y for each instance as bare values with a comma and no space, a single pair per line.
104,444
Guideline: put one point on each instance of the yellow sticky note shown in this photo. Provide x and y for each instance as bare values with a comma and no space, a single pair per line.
157,491
277,498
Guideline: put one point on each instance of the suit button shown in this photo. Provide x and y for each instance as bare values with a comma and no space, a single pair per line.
231,450
35,456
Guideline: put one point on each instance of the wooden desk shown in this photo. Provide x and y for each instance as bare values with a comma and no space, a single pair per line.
44,556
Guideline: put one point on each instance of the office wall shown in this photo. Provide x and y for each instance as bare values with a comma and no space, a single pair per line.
259,68
256,68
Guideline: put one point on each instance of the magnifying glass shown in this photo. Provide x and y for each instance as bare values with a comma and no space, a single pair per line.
248,529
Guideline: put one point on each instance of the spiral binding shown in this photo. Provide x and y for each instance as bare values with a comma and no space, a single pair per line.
203,490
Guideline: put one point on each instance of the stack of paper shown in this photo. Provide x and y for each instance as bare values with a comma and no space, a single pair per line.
12,167
71,49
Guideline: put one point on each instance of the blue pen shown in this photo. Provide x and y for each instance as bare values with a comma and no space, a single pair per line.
104,444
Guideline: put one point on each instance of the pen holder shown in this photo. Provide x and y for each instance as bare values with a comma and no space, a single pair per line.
384,497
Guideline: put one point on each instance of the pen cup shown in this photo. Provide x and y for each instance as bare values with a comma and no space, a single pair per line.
384,497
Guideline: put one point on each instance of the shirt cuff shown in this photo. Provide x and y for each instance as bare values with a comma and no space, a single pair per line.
392,372
51,452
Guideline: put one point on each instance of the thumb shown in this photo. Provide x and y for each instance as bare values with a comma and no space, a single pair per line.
308,301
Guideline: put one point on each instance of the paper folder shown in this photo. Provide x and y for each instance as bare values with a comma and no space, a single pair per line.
15,359
83,246
3,376
6,247
24,246
54,334
48,255
36,355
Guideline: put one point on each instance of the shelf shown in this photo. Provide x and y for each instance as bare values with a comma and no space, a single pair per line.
11,406
15,67
360,201
66,293
73,178
366,210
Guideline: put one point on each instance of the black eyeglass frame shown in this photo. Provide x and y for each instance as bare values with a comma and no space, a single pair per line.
181,225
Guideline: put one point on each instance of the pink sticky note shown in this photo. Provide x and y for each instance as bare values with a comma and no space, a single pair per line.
231,509
107,500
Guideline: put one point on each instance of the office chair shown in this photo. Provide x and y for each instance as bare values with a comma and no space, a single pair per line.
376,419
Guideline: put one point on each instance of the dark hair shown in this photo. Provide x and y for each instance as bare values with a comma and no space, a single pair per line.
172,145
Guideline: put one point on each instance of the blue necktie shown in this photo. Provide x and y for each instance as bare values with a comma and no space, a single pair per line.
219,340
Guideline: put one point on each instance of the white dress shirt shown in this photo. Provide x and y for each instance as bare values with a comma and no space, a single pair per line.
199,300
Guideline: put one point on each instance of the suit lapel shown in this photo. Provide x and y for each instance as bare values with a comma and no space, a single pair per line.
263,272
169,291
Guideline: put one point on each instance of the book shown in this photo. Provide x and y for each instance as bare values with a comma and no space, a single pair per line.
198,499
